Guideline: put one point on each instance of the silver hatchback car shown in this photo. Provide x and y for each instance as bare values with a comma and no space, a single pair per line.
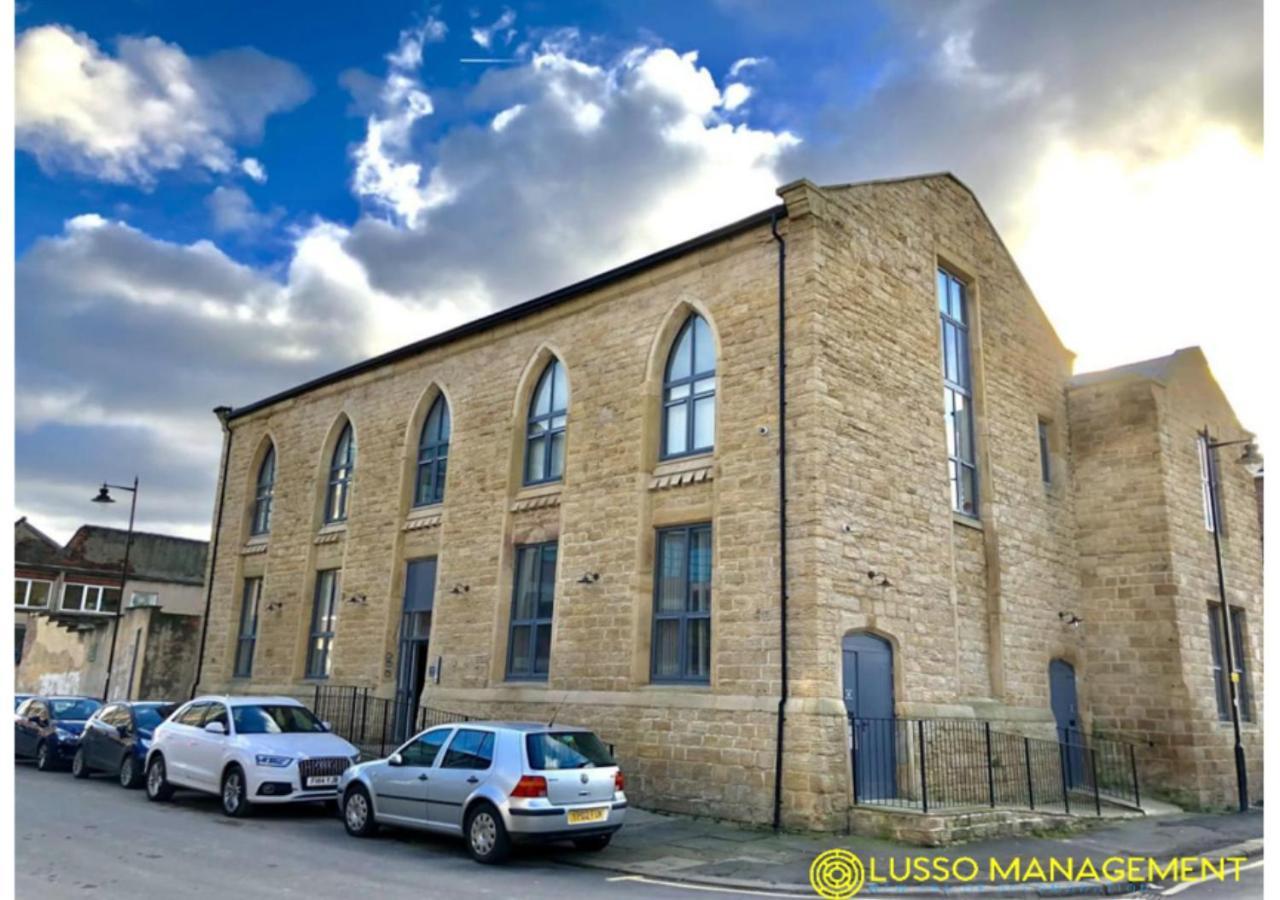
492,783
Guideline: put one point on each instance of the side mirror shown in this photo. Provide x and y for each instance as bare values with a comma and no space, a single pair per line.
215,728
395,759
123,730
327,726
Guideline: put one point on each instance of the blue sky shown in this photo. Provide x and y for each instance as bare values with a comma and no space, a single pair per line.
215,201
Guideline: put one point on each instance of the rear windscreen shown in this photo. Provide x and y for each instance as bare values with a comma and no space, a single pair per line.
567,750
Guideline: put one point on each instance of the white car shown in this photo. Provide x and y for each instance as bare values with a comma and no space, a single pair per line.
247,750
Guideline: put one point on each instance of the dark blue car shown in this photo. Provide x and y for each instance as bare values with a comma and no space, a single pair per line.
117,738
48,728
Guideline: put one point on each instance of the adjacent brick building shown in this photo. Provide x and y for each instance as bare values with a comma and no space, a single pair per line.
576,504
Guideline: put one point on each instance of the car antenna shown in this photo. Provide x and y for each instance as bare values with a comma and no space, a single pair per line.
556,711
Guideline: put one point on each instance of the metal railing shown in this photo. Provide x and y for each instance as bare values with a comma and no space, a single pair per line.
937,764
377,725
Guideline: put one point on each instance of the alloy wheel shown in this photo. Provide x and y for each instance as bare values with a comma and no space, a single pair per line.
155,778
484,833
357,811
126,772
232,791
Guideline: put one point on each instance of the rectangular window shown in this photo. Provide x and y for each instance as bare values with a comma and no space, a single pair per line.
248,634
1210,486
31,594
682,605
19,637
1239,657
957,381
1046,465
532,608
90,598
324,616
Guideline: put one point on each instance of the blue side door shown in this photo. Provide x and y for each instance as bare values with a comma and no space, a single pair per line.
1066,712
868,696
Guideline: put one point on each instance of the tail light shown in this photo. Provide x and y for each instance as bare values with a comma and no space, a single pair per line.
618,780
530,786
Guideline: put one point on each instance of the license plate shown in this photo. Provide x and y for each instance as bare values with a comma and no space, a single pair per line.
316,781
583,816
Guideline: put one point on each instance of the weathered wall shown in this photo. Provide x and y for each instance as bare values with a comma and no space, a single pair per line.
168,661
57,660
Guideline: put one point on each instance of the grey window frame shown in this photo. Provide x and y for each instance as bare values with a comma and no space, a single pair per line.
953,311
433,455
264,491
1046,462
1222,691
690,402
247,636
549,430
1209,475
488,741
26,594
342,466
320,639
535,622
686,615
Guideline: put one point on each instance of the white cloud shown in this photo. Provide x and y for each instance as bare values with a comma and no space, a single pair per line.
254,169
506,117
483,36
735,95
233,210
747,62
149,109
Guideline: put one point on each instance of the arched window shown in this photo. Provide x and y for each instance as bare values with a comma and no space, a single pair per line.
689,392
263,493
341,468
433,455
544,435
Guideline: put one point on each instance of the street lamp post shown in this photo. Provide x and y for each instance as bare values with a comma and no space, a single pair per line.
1210,445
104,496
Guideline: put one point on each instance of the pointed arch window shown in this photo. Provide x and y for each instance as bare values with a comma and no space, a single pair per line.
544,433
263,493
341,468
433,454
689,392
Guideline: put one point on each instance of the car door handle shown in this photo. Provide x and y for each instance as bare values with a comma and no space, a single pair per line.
422,777
473,780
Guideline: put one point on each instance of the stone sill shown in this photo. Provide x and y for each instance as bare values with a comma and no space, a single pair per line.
423,517
687,470
331,534
254,546
538,496
960,518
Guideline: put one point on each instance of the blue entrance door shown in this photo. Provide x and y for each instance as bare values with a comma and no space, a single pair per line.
1066,712
415,633
868,697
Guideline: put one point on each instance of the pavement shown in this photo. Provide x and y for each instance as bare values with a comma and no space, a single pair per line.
94,839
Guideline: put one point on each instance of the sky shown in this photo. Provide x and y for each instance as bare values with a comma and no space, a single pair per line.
217,201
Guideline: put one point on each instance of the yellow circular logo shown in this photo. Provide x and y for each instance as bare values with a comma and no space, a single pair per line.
836,874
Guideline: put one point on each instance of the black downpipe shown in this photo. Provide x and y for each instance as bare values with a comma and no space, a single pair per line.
222,412
782,508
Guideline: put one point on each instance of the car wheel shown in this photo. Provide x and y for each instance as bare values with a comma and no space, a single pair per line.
235,801
130,776
79,768
44,757
357,813
487,837
593,844
158,786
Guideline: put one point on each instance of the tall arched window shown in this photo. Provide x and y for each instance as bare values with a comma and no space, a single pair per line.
689,392
544,435
341,468
433,455
263,492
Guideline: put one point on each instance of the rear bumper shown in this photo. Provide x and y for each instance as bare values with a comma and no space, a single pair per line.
552,823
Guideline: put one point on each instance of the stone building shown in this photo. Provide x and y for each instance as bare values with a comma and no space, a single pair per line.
844,420
67,600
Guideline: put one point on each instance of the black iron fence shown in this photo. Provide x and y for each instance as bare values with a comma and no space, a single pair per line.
936,764
377,725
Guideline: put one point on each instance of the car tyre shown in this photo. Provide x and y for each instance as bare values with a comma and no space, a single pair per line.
158,786
44,757
130,774
593,844
357,813
235,793
487,838
79,768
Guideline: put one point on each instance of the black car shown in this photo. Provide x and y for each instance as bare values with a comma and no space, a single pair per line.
48,728
117,738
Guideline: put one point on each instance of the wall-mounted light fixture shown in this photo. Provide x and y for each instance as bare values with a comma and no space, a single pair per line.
274,605
358,599
589,578
1071,619
879,578
460,588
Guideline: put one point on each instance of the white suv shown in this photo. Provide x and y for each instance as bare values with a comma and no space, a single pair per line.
247,750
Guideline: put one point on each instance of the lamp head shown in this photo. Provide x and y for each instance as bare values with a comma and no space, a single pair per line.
1250,456
104,496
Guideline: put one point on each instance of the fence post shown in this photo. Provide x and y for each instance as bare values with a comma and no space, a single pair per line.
1062,764
991,773
382,747
1093,770
1026,755
1133,766
924,777
316,703
853,755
